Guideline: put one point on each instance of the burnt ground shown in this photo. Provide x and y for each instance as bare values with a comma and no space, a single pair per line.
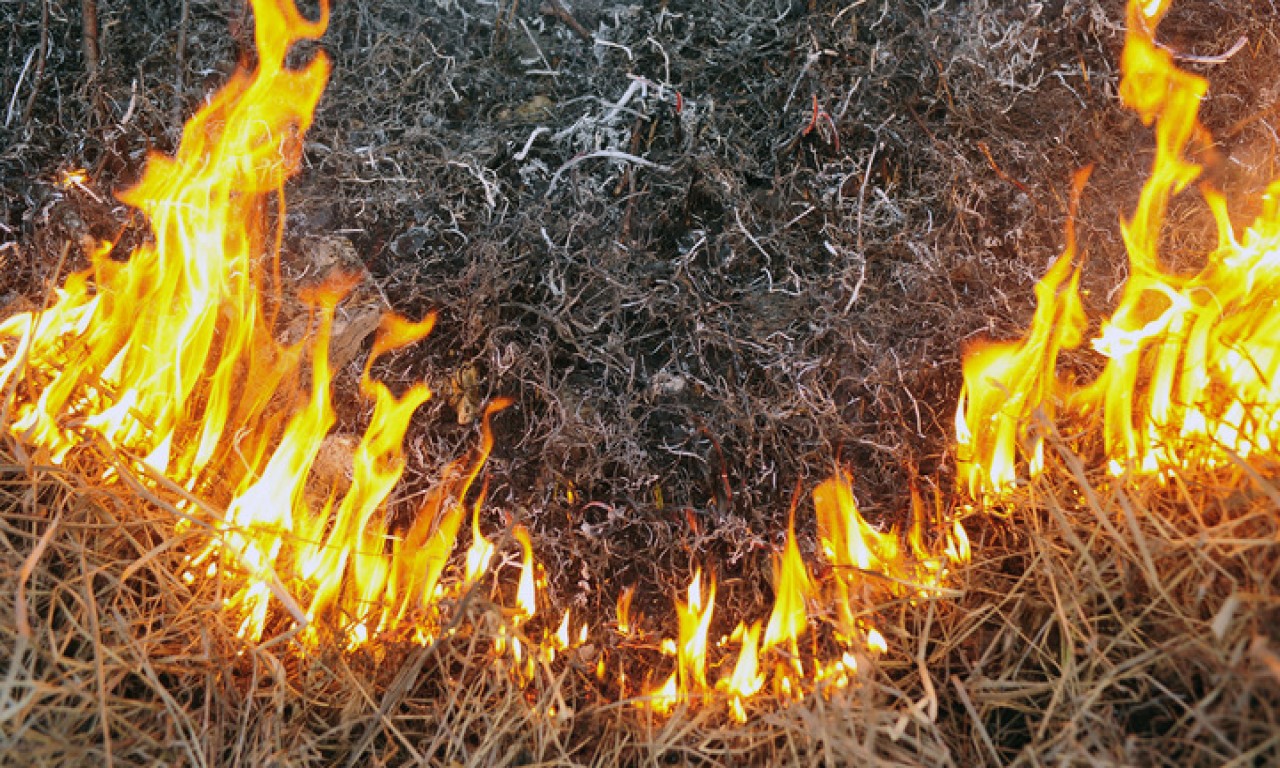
711,250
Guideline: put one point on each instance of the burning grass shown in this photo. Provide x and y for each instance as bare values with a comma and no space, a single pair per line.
1105,621
1101,624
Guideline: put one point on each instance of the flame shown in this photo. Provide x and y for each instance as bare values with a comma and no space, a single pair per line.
1192,362
170,359
689,680
789,616
867,564
560,639
481,552
624,610
746,680
526,591
1006,384
859,552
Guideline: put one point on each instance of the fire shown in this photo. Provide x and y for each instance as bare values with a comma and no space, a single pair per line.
789,616
624,610
527,591
170,359
866,565
746,680
690,676
1192,363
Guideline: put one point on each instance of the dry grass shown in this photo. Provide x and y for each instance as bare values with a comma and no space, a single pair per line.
1100,624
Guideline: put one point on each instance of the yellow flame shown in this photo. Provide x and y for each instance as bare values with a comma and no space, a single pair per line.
624,610
561,637
793,586
480,553
1006,384
875,641
1191,361
849,541
695,622
867,565
171,358
689,680
746,680
526,590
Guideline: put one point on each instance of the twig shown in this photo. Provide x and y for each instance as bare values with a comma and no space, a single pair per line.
958,684
99,674
609,153
1265,656
24,575
408,675
986,152
1220,58
502,22
556,10
180,53
89,36
750,237
628,181
13,99
528,144
40,60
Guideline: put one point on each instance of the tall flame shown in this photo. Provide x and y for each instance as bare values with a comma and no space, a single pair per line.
170,358
789,616
1192,374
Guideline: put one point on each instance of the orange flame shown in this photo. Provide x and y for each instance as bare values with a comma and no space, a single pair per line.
866,564
1191,362
1007,384
624,610
789,616
689,680
746,680
170,358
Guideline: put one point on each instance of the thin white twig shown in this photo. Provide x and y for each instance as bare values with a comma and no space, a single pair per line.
523,153
612,154
1221,58
13,100
738,217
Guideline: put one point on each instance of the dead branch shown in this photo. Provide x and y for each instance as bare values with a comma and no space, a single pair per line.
89,37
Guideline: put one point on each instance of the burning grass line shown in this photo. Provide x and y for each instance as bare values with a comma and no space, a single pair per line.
266,571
